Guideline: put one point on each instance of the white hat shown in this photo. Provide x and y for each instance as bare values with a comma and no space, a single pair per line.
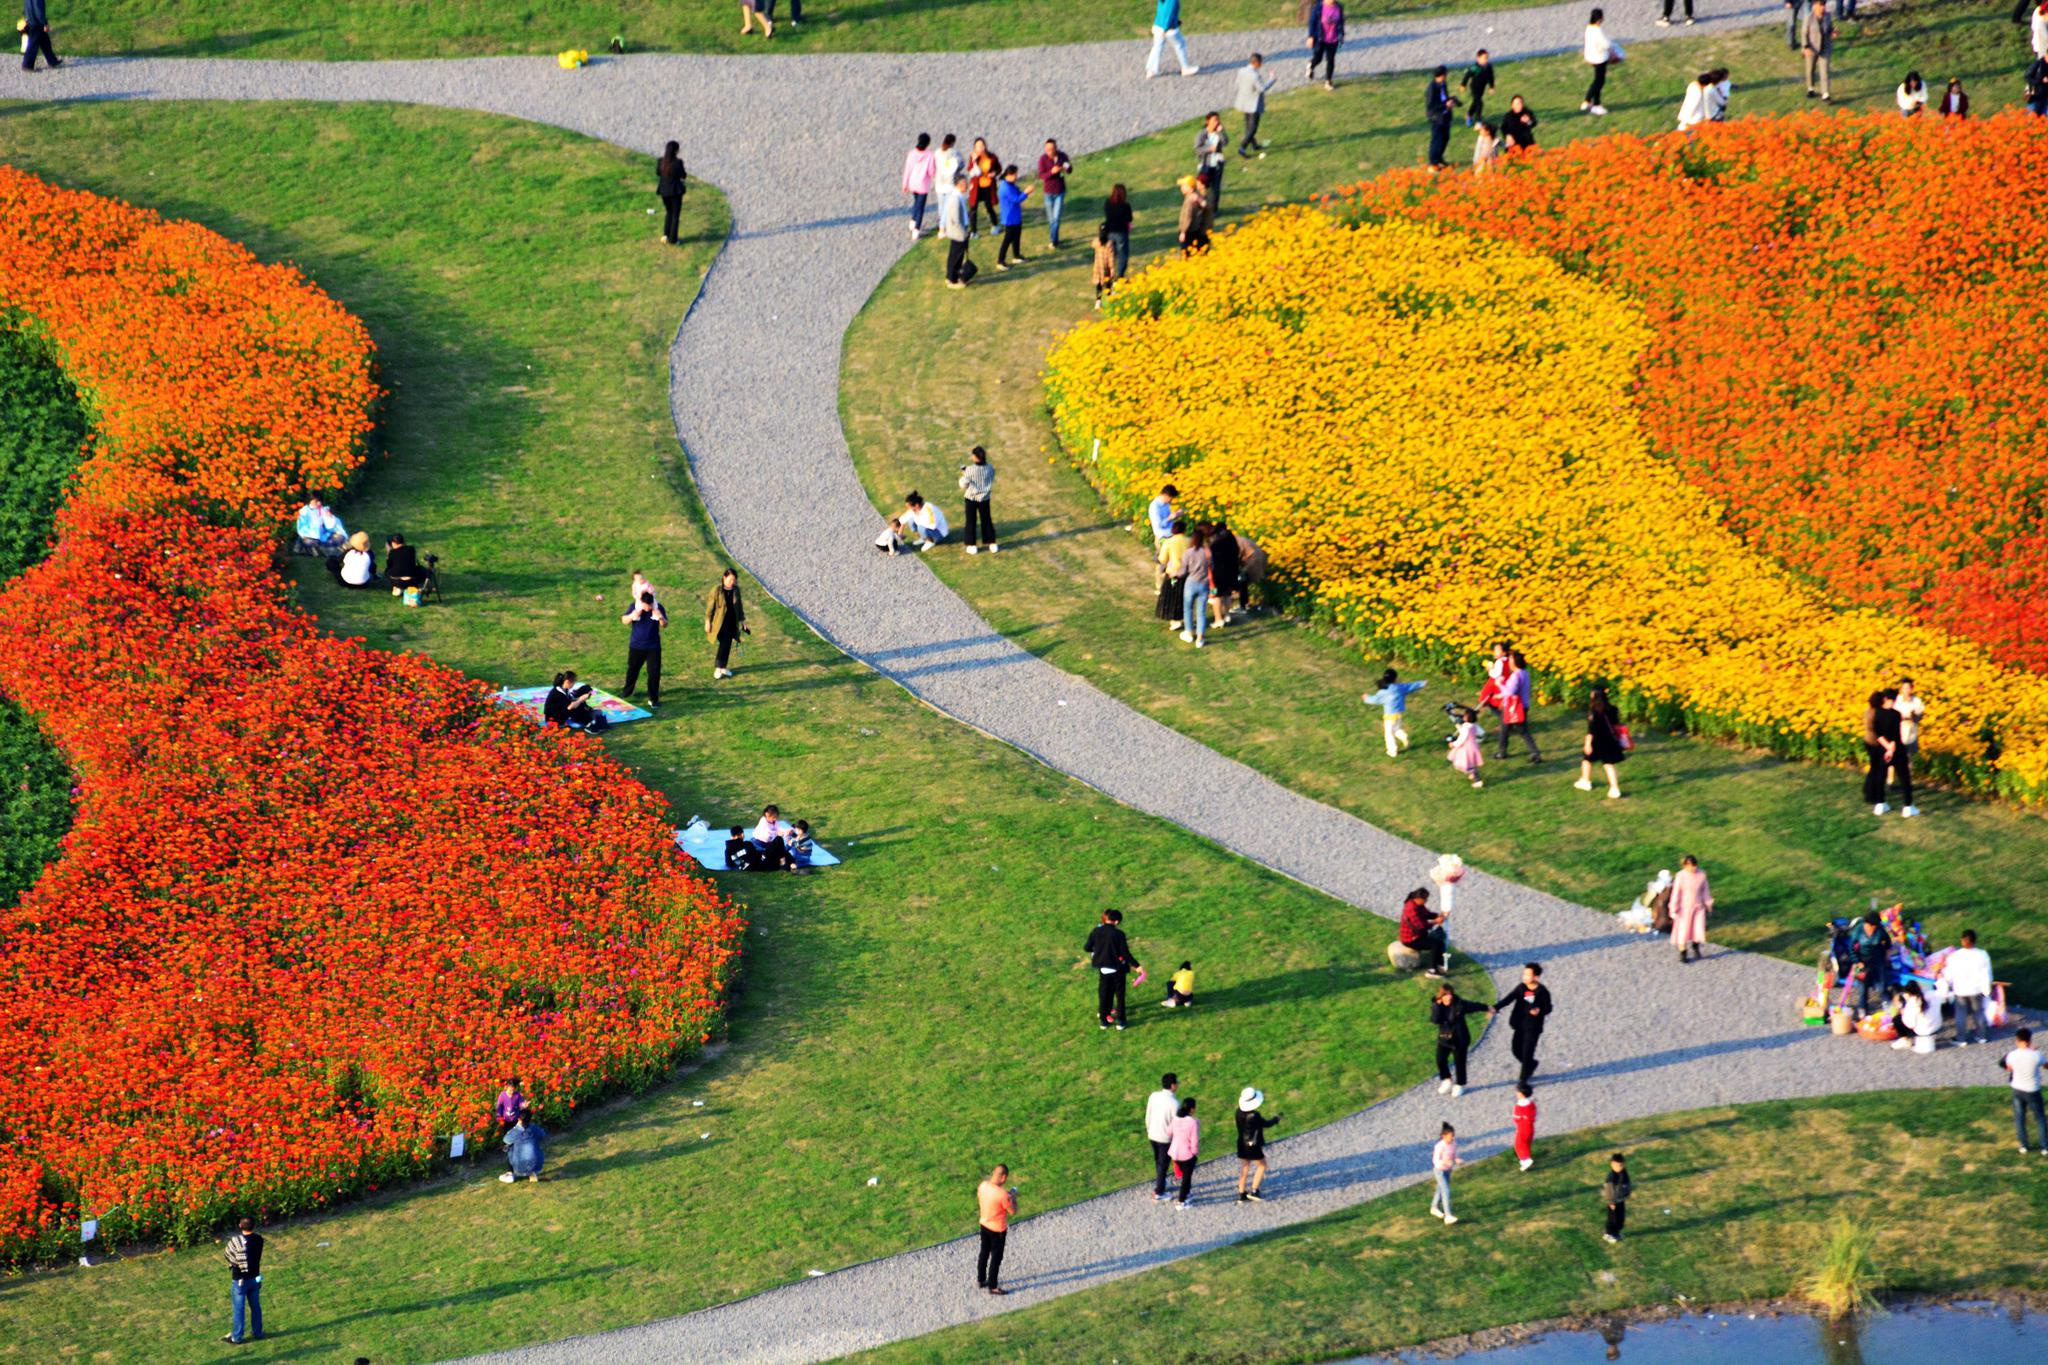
1250,1098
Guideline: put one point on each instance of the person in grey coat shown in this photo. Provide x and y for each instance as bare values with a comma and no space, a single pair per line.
1819,47
1252,85
977,481
956,226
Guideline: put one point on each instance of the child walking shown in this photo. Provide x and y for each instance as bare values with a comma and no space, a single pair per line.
1525,1124
1467,755
1184,1146
1105,262
1181,990
1392,699
1443,1159
1616,1191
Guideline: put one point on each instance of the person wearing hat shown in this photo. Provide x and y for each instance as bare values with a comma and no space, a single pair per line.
356,568
1251,1143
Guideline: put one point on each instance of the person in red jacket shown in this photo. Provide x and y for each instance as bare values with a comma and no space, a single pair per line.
1525,1124
1422,930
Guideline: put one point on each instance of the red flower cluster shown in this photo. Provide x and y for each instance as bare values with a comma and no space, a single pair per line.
1849,353
318,901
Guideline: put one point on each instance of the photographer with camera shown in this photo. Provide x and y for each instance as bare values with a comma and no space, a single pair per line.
404,570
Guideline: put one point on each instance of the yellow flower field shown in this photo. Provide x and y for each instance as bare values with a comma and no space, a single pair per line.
1432,434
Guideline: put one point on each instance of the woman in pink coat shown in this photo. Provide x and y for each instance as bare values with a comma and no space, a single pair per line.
1691,900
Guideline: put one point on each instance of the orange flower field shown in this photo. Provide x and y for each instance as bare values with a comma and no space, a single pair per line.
317,901
1453,419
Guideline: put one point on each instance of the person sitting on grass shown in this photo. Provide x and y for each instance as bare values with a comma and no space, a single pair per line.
800,845
890,541
354,567
923,520
525,1148
1180,992
319,531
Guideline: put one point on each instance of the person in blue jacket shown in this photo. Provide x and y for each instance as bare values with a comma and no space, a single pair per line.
1010,197
1165,29
1392,699
35,35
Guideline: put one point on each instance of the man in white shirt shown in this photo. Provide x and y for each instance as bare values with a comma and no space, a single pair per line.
924,520
1160,1108
1968,973
2023,1064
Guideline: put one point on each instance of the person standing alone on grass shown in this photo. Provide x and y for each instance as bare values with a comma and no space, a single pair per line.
1392,699
1601,52
1109,952
1184,1145
1251,1143
1615,1190
1692,900
1477,80
920,171
671,180
644,624
1012,196
1053,169
977,483
35,38
1529,1007
1448,1011
245,1284
1817,42
1437,103
1160,1108
1252,85
956,225
1165,29
1604,744
725,620
1443,1159
1325,36
998,1204
1968,973
2023,1066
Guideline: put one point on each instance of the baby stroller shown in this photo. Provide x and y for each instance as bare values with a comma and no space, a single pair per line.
1454,712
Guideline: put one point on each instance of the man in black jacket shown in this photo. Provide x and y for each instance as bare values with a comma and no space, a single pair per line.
1110,952
35,35
1528,1006
245,1283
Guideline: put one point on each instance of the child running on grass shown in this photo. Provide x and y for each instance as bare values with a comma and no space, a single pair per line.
1525,1124
1443,1159
1616,1191
1392,699
1181,990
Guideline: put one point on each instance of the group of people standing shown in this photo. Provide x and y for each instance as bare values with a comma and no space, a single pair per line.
980,183
1197,569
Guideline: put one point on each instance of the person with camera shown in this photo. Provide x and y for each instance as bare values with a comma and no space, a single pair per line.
402,566
644,624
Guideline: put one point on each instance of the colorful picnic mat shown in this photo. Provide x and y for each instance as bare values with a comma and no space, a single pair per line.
533,701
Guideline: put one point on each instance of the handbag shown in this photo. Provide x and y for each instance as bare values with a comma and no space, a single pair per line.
1626,740
968,270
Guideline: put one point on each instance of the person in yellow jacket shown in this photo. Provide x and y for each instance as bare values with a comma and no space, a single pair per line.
725,620
1181,990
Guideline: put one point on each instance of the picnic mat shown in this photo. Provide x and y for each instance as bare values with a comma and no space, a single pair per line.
533,701
707,846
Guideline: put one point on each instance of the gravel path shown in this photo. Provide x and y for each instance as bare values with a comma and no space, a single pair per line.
808,150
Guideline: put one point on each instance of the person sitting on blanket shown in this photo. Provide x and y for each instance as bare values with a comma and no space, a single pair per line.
320,532
739,854
800,845
771,838
568,704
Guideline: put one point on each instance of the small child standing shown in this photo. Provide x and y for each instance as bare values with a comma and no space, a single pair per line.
1525,1124
1392,699
1181,989
1616,1191
1466,754
1443,1159
1105,263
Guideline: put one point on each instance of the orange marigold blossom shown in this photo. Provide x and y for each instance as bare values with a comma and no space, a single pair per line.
1324,384
317,901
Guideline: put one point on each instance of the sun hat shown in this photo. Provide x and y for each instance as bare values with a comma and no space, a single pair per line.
1250,1098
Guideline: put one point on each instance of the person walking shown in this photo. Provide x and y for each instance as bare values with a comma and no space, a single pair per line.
1692,900
1250,101
1607,744
1449,1011
1196,565
956,225
2023,1068
1817,42
1518,125
644,624
1392,699
1422,931
1325,36
764,10
1477,80
998,1205
35,38
1967,971
920,172
1109,952
1184,1145
1615,1190
1517,690
1443,1159
1054,166
977,482
1211,142
1117,218
1166,29
1529,1008
1011,196
1251,1143
1665,21
1601,52
1437,103
1795,23
245,1284
1161,1106
725,620
671,181
1467,754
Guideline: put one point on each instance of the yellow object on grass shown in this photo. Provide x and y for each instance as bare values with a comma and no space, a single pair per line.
572,58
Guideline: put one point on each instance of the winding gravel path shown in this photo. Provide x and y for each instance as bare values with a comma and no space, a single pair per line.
808,150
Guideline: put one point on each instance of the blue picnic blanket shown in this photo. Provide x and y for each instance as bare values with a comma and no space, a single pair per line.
533,701
707,846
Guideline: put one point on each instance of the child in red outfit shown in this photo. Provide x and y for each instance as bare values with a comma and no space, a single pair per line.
1525,1124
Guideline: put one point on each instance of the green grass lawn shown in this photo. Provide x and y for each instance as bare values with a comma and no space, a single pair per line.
448,28
913,1016
1787,845
1729,1205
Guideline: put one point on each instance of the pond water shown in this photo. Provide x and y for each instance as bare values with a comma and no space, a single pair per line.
1983,1334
